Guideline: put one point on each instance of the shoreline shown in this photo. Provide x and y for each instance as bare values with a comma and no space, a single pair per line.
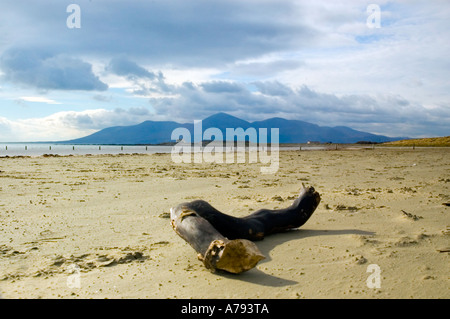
121,150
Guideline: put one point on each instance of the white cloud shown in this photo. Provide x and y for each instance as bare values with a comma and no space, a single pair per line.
38,99
68,125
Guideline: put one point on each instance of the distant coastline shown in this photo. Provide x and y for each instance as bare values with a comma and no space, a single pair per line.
20,149
422,142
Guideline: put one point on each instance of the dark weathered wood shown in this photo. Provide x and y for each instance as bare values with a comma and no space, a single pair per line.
262,222
223,241
215,250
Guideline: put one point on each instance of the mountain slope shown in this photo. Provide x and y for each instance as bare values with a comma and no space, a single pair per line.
148,132
290,131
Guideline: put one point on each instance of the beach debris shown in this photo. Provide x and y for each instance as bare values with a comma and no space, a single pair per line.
360,260
278,198
84,262
407,190
343,207
405,242
446,204
225,242
354,191
214,250
444,249
411,216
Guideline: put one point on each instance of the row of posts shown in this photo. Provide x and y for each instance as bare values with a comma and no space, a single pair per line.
146,148
73,148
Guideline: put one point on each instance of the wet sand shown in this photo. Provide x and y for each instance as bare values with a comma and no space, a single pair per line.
98,226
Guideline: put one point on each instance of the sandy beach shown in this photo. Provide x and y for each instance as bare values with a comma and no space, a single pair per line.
98,226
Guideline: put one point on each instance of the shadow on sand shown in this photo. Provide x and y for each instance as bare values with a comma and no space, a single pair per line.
259,277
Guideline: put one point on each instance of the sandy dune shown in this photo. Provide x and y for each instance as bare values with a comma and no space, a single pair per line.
98,226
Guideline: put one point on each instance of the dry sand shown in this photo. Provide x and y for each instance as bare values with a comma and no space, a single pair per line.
104,220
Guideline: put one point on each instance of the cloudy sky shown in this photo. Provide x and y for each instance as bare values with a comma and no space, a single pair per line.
64,75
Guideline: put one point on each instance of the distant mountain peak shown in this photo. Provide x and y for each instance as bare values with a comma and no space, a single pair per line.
221,116
290,131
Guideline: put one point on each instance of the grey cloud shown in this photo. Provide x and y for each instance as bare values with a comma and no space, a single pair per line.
124,67
80,120
264,69
273,88
139,111
368,113
177,32
134,111
188,85
99,119
145,81
45,71
222,87
198,101
148,87
102,98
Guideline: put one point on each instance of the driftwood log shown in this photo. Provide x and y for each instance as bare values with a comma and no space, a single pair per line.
225,242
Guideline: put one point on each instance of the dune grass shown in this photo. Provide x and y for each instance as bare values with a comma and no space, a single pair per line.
431,141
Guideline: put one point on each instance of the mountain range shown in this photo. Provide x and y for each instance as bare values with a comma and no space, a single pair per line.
290,131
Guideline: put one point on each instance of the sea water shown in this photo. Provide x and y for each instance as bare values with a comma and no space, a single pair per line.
39,149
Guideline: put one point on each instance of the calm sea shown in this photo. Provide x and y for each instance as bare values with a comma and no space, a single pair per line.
38,149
